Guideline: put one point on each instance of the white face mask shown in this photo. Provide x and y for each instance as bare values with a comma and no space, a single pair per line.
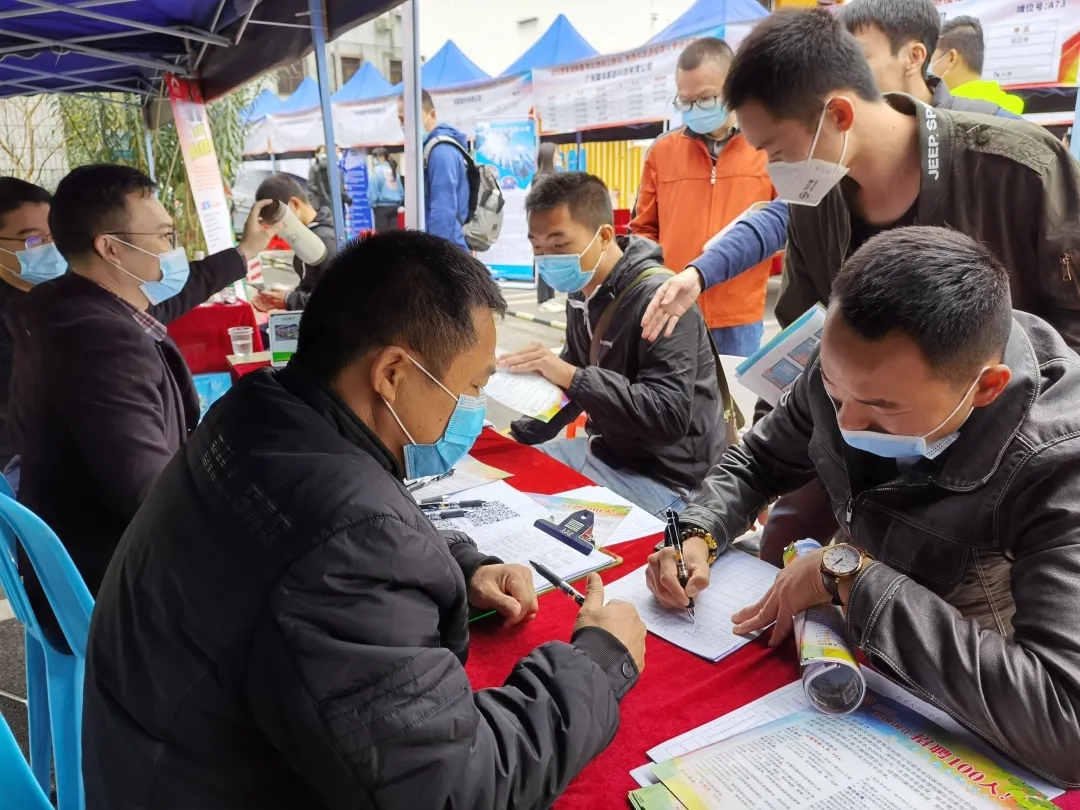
807,182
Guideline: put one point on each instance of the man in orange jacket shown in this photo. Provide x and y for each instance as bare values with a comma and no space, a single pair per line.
697,180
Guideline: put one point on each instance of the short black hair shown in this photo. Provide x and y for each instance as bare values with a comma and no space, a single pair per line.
92,200
792,60
404,287
15,193
945,290
965,36
281,187
902,21
704,50
584,194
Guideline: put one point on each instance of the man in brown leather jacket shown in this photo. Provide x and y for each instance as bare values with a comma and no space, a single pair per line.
853,164
944,428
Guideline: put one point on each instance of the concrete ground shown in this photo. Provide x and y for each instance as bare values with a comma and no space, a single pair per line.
514,333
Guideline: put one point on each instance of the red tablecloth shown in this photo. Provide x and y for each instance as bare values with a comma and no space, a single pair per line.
677,691
203,334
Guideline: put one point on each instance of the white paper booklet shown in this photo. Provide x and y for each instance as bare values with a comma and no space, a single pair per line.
772,370
530,394
736,580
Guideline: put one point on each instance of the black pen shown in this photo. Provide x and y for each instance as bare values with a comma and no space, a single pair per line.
450,513
674,532
558,582
439,503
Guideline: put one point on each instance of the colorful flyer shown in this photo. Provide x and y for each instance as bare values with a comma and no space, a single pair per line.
883,755
607,516
284,331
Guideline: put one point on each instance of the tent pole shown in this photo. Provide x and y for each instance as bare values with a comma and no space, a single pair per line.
151,171
318,39
414,142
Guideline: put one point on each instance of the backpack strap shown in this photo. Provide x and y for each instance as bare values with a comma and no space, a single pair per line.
438,139
732,415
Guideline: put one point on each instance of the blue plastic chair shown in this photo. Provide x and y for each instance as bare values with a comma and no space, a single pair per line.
54,678
18,785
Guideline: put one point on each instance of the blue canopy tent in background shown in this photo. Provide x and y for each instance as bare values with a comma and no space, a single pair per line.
709,18
366,83
559,45
448,67
264,104
304,97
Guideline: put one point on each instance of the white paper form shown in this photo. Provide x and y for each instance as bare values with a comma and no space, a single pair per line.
737,580
529,394
636,525
504,528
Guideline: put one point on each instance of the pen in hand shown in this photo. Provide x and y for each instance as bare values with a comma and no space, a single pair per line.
558,582
674,538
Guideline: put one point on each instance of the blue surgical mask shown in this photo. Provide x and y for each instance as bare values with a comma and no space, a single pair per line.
704,122
174,273
563,271
40,264
466,422
889,445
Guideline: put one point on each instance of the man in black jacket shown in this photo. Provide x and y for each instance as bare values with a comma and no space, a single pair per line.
943,426
283,627
286,190
655,414
101,397
28,257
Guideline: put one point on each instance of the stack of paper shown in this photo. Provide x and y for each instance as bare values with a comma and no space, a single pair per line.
504,528
637,524
468,473
655,797
736,580
786,708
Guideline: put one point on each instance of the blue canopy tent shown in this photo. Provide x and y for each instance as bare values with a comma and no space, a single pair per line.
710,17
366,83
448,67
304,97
559,45
126,46
264,104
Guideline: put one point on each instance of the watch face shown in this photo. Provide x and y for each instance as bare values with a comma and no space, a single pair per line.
841,560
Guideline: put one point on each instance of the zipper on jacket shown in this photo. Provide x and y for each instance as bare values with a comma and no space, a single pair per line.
712,177
1067,273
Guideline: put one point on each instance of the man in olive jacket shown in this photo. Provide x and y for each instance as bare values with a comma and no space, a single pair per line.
283,627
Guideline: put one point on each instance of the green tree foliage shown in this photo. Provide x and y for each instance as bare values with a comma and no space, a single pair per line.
109,128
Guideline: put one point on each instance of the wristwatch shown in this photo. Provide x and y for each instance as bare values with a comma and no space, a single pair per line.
841,561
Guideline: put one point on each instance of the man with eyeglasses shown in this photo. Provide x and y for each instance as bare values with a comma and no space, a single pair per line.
27,257
697,180
101,397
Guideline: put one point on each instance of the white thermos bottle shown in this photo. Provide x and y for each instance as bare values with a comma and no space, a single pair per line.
309,248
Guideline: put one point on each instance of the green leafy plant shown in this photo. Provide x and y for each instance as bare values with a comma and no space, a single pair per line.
110,128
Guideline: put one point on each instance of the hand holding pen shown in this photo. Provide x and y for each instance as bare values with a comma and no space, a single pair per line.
673,588
674,539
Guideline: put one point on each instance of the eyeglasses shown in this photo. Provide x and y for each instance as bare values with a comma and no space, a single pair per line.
701,104
172,235
29,242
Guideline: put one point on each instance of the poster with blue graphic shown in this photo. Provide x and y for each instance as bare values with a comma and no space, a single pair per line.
356,182
509,145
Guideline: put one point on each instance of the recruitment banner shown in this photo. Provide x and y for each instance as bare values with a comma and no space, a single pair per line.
200,160
463,107
368,123
509,146
607,91
1032,42
300,132
355,169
